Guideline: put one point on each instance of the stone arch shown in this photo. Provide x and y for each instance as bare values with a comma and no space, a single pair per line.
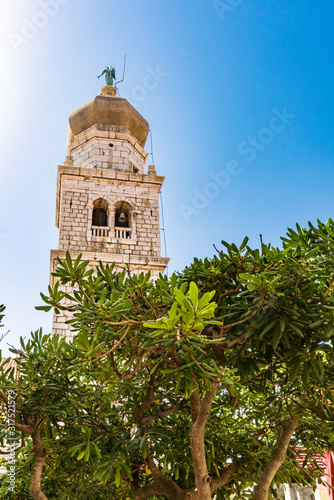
100,213
130,201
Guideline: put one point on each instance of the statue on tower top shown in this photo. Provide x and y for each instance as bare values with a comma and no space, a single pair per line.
110,75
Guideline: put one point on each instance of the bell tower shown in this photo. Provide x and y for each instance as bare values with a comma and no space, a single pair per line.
107,206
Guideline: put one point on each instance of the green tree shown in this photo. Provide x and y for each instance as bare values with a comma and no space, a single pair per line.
53,405
206,385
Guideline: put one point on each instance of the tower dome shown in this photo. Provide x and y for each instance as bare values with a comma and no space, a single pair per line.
108,109
107,132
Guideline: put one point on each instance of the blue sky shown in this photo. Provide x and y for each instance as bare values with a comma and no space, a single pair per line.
241,115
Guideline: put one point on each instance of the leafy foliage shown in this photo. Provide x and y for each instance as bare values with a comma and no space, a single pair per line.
227,354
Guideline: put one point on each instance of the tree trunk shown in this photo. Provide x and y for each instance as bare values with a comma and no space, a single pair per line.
40,458
278,455
203,481
200,411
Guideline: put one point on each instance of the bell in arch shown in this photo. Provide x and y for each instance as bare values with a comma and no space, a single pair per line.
122,214
122,217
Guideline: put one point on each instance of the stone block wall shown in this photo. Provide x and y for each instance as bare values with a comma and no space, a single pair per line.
108,147
77,194
74,217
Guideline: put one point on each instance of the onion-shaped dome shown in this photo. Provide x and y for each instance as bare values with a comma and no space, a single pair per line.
108,110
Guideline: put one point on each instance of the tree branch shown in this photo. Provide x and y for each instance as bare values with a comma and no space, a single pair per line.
126,375
227,293
194,402
4,397
329,288
277,457
140,412
227,327
30,429
165,413
225,476
99,356
127,322
199,366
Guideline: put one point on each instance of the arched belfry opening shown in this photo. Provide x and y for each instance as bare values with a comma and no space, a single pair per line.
100,213
123,220
100,218
122,214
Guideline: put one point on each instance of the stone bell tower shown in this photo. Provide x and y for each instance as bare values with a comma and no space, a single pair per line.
107,206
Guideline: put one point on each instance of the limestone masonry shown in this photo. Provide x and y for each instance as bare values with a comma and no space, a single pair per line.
107,207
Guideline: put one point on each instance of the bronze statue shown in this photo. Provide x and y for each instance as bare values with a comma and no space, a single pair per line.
110,75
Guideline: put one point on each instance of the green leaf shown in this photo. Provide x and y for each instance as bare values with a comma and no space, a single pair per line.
246,277
193,293
87,454
267,328
276,336
296,362
244,243
317,323
81,454
295,329
233,390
